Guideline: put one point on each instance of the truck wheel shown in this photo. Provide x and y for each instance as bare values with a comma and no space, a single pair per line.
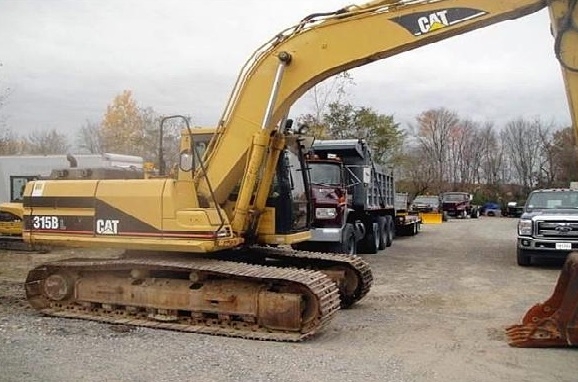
523,258
475,213
445,217
348,244
370,242
382,227
416,227
390,231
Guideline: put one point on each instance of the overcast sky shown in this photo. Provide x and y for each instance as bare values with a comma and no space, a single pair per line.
65,61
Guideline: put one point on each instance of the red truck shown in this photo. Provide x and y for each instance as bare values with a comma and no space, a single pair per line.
459,205
354,204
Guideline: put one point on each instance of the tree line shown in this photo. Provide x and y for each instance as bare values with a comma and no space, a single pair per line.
448,153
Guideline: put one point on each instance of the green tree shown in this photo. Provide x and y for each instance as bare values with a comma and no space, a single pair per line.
331,91
382,133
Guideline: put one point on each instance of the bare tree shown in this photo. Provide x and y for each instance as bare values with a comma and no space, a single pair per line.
171,137
418,172
89,138
321,96
5,93
433,135
46,143
565,156
525,149
492,157
547,173
10,144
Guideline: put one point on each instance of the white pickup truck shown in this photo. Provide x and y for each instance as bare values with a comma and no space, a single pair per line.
548,227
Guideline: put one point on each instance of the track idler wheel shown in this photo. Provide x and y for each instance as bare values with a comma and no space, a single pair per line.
553,323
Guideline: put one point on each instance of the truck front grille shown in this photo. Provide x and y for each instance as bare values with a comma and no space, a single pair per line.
557,229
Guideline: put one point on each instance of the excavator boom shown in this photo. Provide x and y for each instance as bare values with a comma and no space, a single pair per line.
325,44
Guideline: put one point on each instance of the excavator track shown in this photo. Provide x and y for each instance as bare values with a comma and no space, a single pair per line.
352,274
553,323
197,295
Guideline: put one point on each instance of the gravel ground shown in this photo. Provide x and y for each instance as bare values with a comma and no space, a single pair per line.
436,312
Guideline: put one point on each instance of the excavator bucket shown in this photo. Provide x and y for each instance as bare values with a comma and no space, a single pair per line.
553,323
431,217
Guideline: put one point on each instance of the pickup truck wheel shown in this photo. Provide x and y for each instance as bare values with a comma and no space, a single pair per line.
522,258
348,244
475,213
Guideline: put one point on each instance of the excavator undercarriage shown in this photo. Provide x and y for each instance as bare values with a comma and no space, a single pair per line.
553,323
204,295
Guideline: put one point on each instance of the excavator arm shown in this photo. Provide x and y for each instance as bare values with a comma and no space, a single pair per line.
325,44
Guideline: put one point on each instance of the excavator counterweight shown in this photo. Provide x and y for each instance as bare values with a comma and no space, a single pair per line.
553,323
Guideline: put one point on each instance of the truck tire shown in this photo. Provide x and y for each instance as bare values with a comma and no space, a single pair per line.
522,258
382,227
370,243
348,244
475,213
390,230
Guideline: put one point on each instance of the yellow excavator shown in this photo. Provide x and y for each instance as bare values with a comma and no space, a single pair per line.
208,250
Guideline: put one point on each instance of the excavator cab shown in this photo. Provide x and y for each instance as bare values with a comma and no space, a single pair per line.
288,205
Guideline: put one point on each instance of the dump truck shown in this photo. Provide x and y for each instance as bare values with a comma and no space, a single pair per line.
354,200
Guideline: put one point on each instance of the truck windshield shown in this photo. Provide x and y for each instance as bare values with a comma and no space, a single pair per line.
426,200
553,200
325,173
455,197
